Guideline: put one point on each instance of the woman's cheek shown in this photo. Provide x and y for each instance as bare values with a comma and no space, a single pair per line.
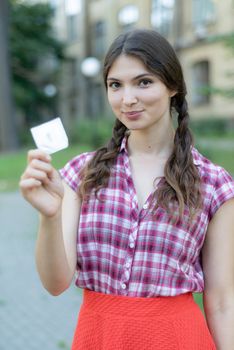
114,100
152,96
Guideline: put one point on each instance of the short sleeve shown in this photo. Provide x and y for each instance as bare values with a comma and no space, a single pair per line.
223,190
70,173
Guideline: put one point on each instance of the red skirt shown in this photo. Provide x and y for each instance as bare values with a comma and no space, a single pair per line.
110,322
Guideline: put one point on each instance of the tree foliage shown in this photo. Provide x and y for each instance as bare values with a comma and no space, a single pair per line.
35,56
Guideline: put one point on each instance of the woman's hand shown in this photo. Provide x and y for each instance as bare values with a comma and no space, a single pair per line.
41,185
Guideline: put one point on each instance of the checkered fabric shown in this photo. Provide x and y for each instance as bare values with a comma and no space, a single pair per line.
126,251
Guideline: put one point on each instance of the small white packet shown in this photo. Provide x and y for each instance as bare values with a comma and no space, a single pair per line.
50,137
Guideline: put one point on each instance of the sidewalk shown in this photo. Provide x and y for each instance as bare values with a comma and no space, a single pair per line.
30,318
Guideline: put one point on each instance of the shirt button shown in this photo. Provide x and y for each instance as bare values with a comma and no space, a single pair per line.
131,245
127,265
123,286
145,206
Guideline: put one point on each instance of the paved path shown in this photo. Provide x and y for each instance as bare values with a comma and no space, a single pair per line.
30,319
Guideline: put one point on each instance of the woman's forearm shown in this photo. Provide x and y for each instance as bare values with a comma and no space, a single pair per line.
51,260
221,325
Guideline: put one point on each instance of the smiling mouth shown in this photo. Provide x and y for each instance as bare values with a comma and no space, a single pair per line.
133,114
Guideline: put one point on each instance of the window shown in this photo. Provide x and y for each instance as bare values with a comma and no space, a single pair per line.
203,12
73,92
73,9
200,83
72,27
72,75
162,15
99,39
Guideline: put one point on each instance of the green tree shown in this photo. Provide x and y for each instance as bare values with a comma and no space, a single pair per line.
35,57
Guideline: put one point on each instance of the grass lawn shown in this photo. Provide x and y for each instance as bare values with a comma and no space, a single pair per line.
198,299
12,165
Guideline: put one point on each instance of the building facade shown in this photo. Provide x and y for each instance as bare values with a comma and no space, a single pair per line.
194,28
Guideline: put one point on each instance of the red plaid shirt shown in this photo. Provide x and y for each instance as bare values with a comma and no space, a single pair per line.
124,251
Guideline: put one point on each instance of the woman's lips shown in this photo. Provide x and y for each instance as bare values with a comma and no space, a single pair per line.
133,115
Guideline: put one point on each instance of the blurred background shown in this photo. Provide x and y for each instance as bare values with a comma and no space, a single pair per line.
51,53
45,73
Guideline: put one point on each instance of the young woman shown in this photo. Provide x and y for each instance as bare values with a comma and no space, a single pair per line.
145,220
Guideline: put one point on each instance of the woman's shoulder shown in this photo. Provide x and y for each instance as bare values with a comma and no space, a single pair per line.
209,169
79,160
70,173
217,182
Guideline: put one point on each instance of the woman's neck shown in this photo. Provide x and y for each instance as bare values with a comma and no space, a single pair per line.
141,142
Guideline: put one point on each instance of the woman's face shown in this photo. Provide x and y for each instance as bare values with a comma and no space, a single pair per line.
137,97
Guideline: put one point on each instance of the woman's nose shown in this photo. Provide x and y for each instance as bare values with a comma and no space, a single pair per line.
129,97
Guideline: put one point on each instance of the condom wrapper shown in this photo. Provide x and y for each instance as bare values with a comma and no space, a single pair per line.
50,137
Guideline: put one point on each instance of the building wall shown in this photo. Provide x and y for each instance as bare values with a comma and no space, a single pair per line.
199,44
220,64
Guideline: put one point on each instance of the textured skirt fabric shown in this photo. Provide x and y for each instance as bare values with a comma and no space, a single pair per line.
110,322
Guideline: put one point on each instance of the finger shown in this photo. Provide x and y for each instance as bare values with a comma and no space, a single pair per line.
29,183
41,165
35,174
38,154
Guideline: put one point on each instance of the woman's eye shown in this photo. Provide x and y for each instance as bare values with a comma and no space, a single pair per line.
114,85
145,82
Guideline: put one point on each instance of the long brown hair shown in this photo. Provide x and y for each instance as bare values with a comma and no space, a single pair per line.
182,181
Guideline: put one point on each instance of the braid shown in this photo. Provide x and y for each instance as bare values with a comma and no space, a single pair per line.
97,171
182,181
118,133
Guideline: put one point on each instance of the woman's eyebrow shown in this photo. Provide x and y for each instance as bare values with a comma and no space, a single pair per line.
135,78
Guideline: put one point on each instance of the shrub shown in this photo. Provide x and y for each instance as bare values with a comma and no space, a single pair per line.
94,132
210,127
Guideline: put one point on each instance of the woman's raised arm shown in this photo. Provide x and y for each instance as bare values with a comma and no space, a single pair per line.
59,207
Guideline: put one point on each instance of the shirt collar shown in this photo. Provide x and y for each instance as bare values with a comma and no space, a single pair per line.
123,146
196,156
